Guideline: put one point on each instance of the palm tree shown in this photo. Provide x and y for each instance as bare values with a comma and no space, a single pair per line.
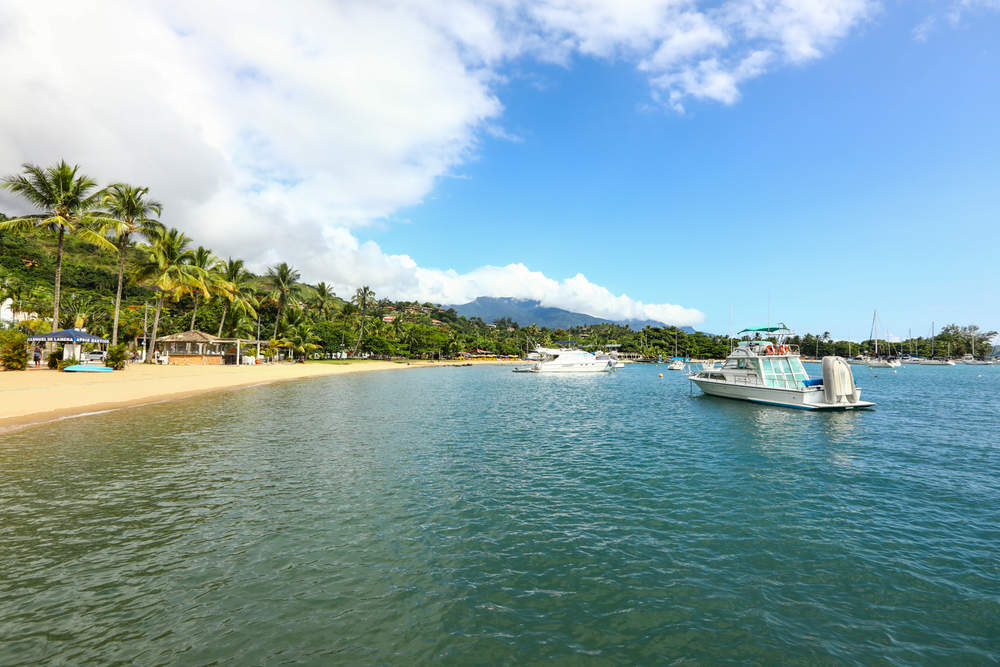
167,268
322,299
300,339
128,214
68,201
282,281
364,297
241,296
211,271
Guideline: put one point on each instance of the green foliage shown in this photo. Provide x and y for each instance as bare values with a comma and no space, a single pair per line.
13,350
55,358
117,356
66,363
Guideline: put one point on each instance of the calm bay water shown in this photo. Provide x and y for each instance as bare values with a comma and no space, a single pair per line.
471,515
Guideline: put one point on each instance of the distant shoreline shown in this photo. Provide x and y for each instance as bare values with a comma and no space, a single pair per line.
31,398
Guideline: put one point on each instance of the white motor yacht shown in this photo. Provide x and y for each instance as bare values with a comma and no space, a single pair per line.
769,371
555,360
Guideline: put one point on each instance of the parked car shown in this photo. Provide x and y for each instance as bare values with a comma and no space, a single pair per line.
96,355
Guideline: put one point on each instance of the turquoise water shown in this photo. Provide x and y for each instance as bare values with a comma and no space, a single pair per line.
473,516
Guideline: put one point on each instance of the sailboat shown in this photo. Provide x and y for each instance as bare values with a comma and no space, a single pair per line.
934,361
875,362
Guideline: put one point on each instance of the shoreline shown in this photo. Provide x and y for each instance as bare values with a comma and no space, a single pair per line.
27,397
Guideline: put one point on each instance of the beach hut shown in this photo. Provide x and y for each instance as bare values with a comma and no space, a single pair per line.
201,349
72,340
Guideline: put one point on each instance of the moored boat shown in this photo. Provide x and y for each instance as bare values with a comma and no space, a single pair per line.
766,370
571,360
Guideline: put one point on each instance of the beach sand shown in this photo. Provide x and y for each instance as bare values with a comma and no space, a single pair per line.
38,396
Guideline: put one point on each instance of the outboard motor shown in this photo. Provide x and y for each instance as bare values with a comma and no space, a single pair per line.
838,381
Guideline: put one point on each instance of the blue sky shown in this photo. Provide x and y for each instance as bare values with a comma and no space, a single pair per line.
866,180
660,159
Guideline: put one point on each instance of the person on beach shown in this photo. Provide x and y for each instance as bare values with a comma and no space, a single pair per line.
38,356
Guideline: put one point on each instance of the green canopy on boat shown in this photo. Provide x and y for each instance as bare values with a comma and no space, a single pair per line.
765,329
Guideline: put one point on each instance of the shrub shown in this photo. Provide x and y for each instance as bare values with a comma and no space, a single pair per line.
116,357
64,363
54,358
13,350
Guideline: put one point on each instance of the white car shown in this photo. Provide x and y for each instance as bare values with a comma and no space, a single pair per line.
96,355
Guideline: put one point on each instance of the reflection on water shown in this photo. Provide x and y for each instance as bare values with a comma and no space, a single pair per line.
473,515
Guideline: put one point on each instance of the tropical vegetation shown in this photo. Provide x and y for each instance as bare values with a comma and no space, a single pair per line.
102,258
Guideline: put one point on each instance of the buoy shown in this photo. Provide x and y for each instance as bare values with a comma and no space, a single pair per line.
894,372
661,374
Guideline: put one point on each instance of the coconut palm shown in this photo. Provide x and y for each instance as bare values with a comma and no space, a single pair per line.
241,297
321,299
364,298
299,338
212,275
127,214
68,201
281,279
81,310
167,269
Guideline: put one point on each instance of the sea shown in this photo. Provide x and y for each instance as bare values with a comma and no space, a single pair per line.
471,515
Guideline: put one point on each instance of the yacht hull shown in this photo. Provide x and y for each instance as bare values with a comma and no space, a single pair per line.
802,399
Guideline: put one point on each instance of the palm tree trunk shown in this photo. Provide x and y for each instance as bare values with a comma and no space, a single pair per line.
118,296
195,311
281,307
360,334
223,320
151,350
55,297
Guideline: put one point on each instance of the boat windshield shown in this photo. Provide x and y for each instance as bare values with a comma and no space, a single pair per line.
741,363
783,372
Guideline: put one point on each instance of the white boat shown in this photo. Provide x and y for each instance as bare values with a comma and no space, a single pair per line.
613,356
771,372
555,360
937,362
876,362
970,360
675,365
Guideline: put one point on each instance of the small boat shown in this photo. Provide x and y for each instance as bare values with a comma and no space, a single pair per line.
877,362
569,360
84,368
675,365
768,371
937,362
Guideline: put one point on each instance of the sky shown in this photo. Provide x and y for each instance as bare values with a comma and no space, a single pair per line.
710,164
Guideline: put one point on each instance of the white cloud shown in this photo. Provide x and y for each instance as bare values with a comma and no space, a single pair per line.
274,134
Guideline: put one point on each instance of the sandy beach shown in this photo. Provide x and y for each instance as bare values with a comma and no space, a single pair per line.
38,396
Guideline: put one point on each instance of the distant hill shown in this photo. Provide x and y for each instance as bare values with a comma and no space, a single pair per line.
529,311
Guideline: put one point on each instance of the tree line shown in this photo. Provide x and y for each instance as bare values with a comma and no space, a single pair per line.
132,278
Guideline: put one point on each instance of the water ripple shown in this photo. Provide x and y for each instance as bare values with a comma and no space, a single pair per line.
504,518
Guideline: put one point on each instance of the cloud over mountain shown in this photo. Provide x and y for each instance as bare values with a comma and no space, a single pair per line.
276,132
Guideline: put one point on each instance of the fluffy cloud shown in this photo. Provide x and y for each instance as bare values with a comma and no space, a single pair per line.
276,133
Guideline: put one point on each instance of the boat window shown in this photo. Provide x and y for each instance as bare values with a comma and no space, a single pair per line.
798,370
778,373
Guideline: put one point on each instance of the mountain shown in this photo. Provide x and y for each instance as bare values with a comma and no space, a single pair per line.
530,311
